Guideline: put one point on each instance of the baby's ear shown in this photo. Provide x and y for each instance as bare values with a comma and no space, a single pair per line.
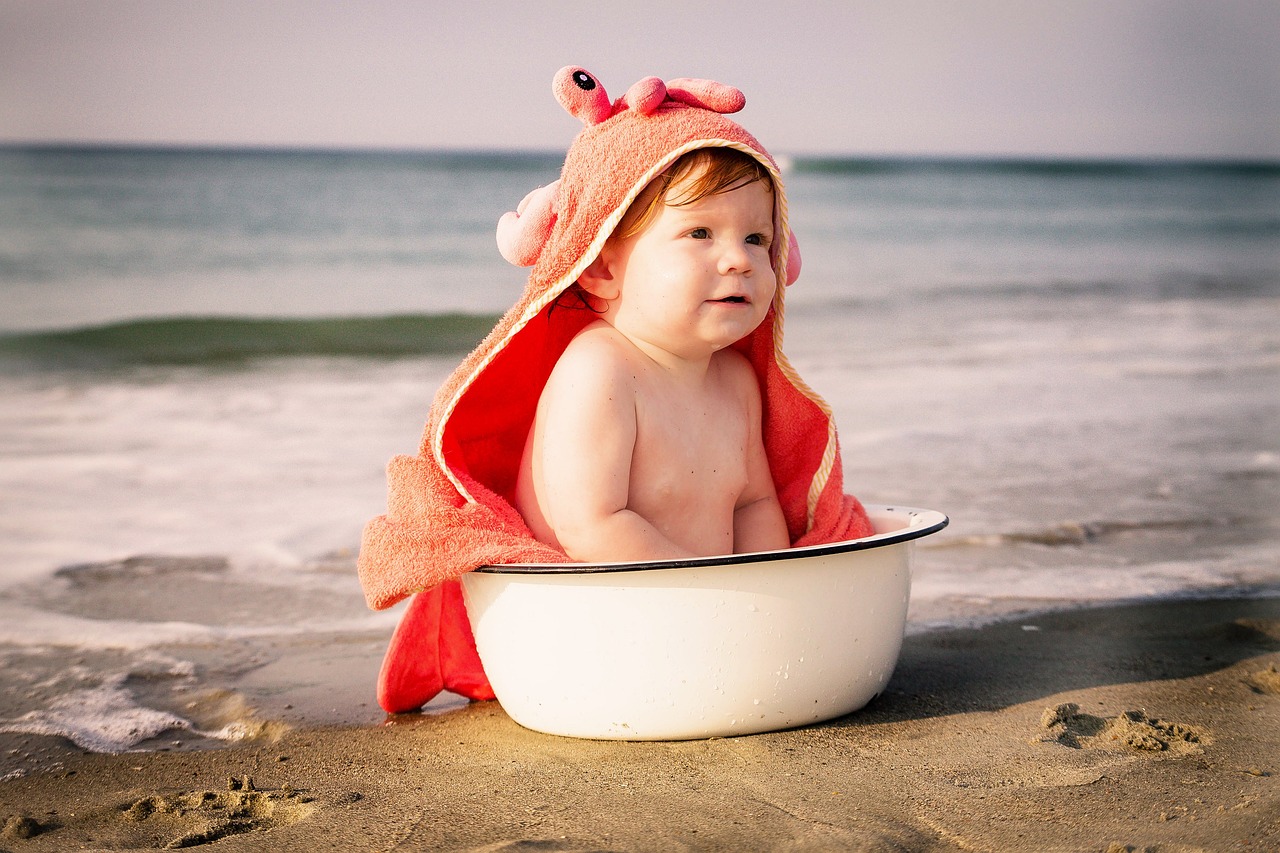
599,279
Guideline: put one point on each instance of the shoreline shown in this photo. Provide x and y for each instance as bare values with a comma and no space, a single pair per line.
1137,726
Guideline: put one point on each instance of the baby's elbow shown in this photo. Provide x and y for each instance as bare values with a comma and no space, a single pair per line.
584,551
580,540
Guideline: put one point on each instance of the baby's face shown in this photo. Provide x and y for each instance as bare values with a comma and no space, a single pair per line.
699,277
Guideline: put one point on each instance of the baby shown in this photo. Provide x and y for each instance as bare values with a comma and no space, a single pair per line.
647,439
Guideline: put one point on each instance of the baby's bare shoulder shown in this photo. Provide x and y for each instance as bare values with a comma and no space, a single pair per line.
596,357
598,338
736,371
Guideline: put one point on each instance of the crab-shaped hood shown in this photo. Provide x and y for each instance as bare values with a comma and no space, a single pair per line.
559,229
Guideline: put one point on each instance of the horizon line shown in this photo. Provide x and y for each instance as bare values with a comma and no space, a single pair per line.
805,157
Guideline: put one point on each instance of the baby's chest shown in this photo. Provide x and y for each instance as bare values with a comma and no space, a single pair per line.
678,456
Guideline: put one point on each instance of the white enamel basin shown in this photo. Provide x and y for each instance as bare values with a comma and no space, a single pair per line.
698,648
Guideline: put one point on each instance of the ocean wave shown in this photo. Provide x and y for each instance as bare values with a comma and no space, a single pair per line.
176,341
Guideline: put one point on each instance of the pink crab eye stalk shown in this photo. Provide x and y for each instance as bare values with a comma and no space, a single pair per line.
581,95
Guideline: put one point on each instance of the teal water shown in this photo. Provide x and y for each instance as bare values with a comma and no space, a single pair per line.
101,237
89,237
239,340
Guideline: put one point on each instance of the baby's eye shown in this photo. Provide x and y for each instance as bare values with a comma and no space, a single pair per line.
700,234
758,239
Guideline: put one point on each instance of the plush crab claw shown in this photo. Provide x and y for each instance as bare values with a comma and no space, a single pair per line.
523,232
707,94
645,95
793,258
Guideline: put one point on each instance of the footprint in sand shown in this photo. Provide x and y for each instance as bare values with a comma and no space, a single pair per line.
1265,681
20,828
194,818
1128,731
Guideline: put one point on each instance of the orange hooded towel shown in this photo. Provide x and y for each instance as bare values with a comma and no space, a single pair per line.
450,508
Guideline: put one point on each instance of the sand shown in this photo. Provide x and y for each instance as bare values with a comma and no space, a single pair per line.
1141,727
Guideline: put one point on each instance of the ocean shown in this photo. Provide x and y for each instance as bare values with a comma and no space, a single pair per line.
207,358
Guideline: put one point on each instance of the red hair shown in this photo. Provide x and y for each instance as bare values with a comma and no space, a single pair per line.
698,174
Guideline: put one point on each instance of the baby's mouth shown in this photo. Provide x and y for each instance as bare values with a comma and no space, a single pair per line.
735,300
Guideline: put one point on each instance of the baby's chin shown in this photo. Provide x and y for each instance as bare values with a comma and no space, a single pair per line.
728,338
744,316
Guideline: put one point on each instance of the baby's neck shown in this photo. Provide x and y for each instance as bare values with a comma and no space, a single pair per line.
690,365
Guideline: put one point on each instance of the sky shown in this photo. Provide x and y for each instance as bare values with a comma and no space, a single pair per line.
988,78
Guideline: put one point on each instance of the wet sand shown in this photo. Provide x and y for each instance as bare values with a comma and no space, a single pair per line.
1145,727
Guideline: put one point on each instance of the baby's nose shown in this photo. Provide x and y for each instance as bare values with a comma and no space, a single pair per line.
735,258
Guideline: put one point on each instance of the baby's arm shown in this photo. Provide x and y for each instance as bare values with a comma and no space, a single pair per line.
586,437
760,526
758,522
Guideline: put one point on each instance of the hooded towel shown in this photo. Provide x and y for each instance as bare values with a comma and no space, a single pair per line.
450,508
